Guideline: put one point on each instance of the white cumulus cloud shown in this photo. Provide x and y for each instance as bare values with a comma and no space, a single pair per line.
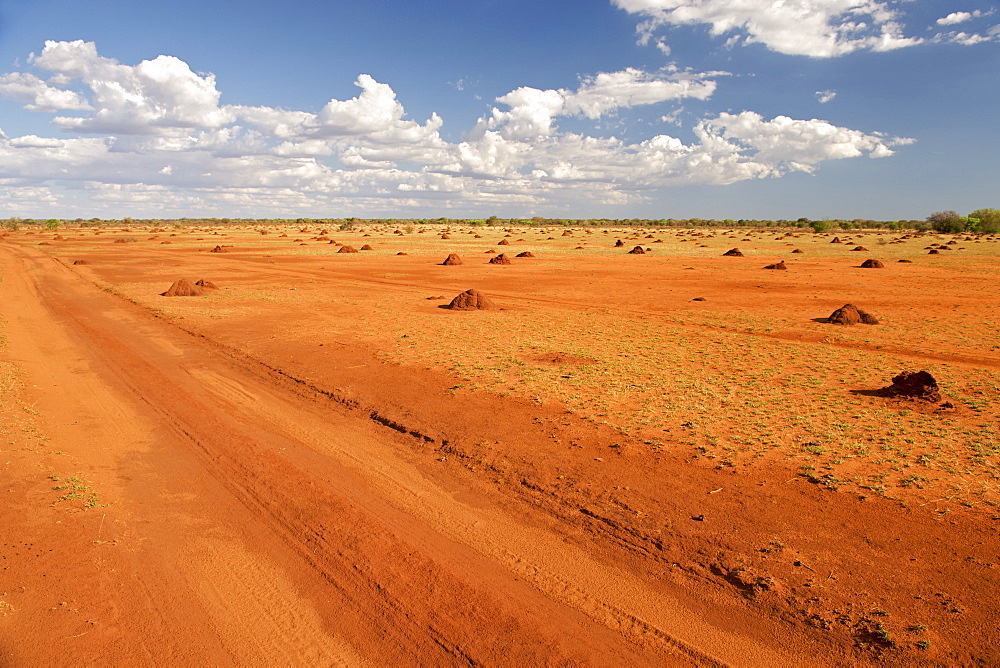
532,112
959,17
34,141
631,87
815,28
374,118
158,96
799,145
38,95
965,38
156,135
825,96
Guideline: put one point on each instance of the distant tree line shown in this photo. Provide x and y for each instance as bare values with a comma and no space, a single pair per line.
980,221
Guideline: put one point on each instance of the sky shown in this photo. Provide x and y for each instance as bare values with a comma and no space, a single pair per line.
760,109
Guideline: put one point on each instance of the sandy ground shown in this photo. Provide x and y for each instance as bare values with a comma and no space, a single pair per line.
263,476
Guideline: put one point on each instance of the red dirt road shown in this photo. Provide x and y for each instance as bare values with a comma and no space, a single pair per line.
242,522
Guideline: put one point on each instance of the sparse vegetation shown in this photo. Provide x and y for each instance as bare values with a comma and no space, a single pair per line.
763,412
74,488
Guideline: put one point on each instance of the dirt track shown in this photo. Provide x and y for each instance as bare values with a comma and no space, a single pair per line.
249,516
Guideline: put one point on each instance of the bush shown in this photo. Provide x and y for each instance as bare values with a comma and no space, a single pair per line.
819,225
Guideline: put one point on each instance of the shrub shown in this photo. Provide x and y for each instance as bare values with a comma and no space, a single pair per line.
819,225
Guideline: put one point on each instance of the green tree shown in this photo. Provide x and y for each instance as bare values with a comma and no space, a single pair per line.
947,222
985,221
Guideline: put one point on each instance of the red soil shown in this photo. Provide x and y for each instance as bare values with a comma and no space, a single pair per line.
270,491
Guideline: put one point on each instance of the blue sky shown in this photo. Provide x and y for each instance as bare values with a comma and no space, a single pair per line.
591,108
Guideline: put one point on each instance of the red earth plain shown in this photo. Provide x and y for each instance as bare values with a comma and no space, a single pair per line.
302,456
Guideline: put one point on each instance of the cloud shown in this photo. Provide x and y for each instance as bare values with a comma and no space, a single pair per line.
825,96
960,17
673,118
814,28
157,97
374,116
786,144
729,148
967,39
156,137
953,18
532,111
374,110
34,141
631,87
38,95
15,197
